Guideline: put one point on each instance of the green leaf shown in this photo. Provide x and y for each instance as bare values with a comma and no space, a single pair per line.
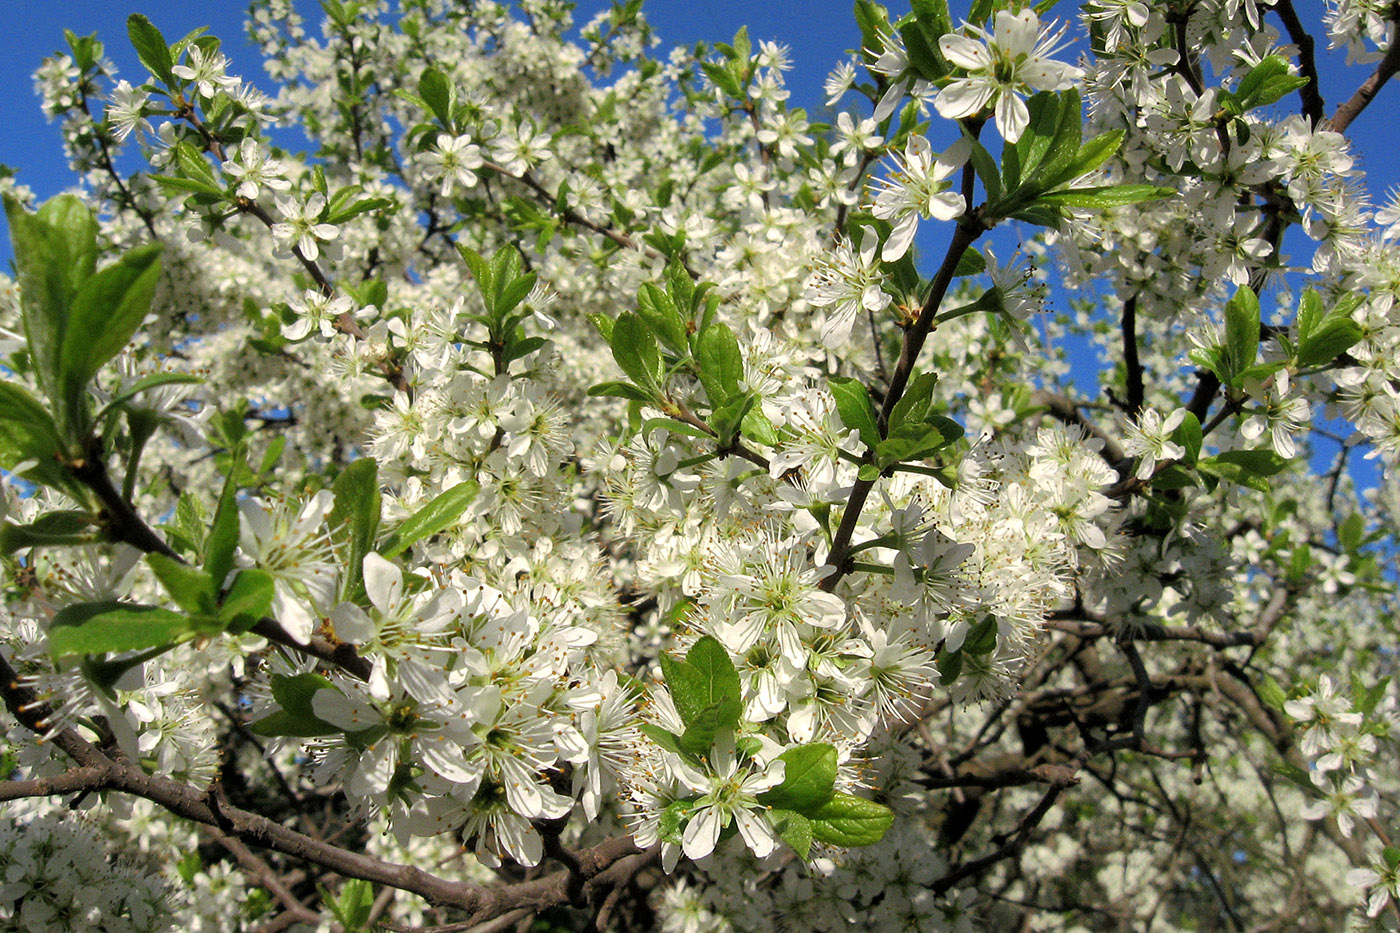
619,390
55,253
193,165
793,828
723,78
673,818
480,269
971,262
432,518
663,316
1090,156
354,518
1021,159
1328,340
1241,331
700,732
674,427
663,737
846,820
248,600
757,428
873,22
856,409
809,779
721,363
151,48
437,92
913,404
353,905
703,680
1298,777
223,533
153,381
986,168
52,528
726,419
1105,196
192,589
1188,435
344,212
99,628
634,348
1266,83
296,717
105,313
27,431
981,638
1271,693
908,442
175,186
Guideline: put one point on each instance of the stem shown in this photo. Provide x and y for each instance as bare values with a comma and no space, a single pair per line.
967,232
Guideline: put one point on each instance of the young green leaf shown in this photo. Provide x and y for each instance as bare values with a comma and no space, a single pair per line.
432,518
296,717
793,828
700,732
105,313
634,349
248,599
222,541
721,363
808,779
100,628
151,48
354,519
55,253
1105,196
856,409
703,680
192,589
1241,331
846,820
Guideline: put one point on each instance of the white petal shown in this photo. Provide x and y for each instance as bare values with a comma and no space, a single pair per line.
292,613
446,760
758,835
350,713
900,238
1012,117
965,52
701,833
352,624
383,582
963,98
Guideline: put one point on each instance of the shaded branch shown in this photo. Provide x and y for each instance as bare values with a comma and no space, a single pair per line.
1310,93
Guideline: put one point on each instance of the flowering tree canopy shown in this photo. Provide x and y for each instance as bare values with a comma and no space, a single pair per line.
581,490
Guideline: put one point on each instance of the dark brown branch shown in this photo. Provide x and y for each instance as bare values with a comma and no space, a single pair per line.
1013,843
966,233
1131,363
265,876
1158,633
1310,93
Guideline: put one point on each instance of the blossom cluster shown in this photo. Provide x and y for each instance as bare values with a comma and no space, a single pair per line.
580,442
